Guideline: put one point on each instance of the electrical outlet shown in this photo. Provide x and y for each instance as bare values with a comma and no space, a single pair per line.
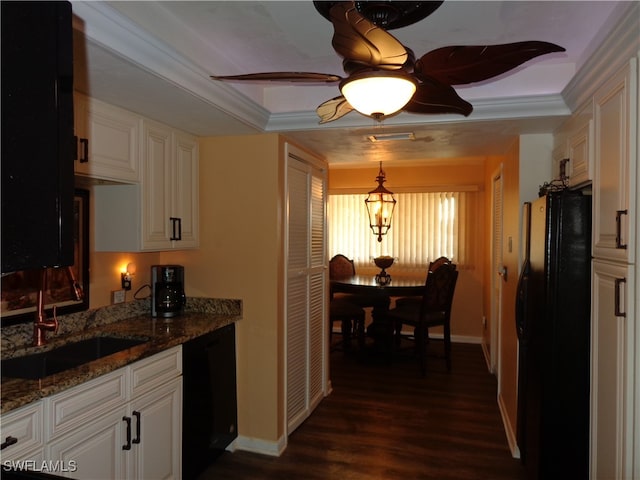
117,296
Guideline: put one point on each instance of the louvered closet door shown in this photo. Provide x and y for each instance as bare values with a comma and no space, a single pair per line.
306,327
317,296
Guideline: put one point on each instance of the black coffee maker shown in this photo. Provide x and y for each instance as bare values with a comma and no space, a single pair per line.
167,290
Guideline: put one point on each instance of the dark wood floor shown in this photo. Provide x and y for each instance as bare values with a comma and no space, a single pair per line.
386,422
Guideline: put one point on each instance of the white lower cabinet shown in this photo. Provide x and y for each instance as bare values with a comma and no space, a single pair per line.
93,450
126,424
612,372
156,433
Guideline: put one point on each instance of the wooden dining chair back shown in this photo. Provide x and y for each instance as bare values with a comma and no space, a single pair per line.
433,266
433,310
341,267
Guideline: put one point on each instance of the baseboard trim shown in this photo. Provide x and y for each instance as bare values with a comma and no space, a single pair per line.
508,429
456,338
487,357
257,445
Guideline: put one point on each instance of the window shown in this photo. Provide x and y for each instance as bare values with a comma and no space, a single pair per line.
425,226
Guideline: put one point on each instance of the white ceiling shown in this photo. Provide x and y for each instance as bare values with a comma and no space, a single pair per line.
155,58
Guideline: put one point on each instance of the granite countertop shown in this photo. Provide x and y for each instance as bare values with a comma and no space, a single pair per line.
162,333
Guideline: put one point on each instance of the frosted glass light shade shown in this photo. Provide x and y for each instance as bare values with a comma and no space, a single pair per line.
378,94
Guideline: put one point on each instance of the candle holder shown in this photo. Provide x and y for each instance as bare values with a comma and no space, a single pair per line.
383,262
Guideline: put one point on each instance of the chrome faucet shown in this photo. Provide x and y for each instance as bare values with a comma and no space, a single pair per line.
41,323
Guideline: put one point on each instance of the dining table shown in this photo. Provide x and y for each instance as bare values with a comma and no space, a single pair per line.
380,294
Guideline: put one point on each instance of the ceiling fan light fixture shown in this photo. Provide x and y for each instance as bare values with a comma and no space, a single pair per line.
378,94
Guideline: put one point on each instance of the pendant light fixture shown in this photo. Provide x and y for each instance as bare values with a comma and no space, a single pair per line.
380,205
378,94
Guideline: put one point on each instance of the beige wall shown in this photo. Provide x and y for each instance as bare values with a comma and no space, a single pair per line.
105,274
508,343
525,166
241,257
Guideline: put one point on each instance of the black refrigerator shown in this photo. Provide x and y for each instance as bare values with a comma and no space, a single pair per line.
553,326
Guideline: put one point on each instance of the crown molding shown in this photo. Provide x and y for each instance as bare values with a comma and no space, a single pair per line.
109,29
620,45
524,107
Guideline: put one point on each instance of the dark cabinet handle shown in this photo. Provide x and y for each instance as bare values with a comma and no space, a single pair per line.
8,442
619,243
563,168
618,312
127,446
176,228
138,426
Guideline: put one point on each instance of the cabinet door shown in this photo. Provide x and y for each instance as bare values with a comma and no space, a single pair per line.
559,159
612,371
185,196
108,141
157,433
615,109
169,189
95,450
156,187
36,154
580,155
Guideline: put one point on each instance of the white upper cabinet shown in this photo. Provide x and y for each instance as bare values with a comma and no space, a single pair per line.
574,150
108,141
615,112
169,188
161,212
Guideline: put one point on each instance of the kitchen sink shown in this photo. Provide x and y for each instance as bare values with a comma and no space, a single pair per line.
40,365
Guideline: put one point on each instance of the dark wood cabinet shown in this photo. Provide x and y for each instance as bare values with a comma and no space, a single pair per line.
37,135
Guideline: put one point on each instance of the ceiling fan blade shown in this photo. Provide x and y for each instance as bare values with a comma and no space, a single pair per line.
333,109
459,65
433,96
297,77
358,40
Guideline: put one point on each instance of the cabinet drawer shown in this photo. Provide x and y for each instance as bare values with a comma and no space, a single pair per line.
153,371
24,425
73,408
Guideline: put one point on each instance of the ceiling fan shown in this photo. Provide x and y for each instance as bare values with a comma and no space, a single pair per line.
373,58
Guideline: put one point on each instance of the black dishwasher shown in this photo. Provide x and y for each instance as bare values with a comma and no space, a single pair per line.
209,413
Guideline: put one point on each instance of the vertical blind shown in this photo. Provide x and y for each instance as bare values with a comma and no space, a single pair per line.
425,226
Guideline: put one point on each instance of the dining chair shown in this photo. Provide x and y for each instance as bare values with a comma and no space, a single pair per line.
351,318
433,310
346,308
433,266
341,266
